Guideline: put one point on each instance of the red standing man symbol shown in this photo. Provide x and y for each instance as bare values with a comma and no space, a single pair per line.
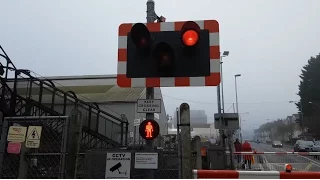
149,130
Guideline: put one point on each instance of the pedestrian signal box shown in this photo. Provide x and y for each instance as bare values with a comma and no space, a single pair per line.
149,129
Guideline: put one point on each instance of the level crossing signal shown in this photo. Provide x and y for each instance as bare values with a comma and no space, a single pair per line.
169,54
149,129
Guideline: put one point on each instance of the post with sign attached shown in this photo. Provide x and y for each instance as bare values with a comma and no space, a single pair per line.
166,54
150,90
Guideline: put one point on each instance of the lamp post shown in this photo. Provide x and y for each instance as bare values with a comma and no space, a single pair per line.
237,104
225,54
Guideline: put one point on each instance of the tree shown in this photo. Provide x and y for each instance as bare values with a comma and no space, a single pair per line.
309,92
278,129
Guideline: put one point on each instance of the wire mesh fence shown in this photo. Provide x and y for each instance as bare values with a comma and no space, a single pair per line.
46,161
95,164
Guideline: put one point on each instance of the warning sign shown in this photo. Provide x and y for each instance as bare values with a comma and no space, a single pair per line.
17,134
118,166
33,136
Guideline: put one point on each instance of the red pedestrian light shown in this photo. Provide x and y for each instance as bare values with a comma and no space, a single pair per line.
190,33
149,129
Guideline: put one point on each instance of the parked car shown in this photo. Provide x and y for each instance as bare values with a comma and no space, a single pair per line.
316,148
277,144
303,146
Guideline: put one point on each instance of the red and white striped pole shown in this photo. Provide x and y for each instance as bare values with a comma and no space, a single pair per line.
233,174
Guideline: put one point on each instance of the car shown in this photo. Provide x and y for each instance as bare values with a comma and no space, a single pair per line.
277,144
303,146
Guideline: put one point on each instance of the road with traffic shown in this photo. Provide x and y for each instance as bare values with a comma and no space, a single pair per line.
269,162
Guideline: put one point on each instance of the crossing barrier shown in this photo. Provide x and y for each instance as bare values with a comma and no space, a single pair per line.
234,174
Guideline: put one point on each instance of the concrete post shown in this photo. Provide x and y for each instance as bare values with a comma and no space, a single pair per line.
185,141
197,148
75,130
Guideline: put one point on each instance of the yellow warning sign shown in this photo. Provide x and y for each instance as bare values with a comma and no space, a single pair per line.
33,136
17,134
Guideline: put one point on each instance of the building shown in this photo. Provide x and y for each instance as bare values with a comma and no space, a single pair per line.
102,91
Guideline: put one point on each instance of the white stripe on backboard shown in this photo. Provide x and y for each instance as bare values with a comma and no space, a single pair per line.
122,42
214,39
214,65
138,82
200,24
167,81
122,67
197,81
167,26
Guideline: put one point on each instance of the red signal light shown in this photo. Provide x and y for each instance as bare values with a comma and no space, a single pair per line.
190,38
140,35
190,33
149,129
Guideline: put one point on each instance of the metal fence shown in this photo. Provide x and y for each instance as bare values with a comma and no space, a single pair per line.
95,164
47,161
275,161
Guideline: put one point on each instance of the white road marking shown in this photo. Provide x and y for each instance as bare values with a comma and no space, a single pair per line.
270,166
261,167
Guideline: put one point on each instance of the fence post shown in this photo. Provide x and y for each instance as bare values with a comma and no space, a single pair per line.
185,141
1,123
197,148
75,130
3,141
24,163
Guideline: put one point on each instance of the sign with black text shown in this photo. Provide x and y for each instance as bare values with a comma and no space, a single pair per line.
149,106
118,165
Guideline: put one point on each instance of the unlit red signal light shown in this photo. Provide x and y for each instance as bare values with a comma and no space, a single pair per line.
140,35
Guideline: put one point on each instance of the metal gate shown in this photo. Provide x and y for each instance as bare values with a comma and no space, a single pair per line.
47,161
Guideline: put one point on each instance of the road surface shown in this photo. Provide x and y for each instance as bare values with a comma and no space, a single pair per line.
267,162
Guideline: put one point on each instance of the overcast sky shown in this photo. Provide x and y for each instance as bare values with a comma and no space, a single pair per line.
269,41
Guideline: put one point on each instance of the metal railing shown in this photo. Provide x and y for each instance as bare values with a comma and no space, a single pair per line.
275,161
28,95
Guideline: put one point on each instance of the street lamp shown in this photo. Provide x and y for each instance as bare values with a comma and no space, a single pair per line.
224,54
237,105
302,116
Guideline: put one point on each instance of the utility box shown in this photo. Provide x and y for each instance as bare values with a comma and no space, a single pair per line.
216,157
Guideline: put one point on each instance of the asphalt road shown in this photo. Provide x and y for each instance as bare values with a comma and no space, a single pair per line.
273,162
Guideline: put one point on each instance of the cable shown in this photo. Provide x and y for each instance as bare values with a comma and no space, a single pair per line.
173,97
